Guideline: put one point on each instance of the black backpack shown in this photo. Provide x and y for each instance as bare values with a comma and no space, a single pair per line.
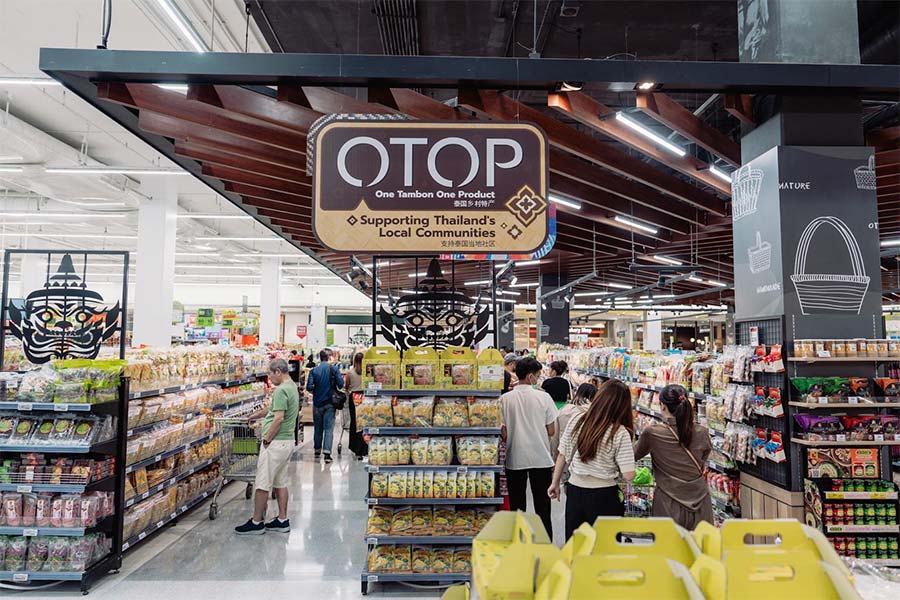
338,397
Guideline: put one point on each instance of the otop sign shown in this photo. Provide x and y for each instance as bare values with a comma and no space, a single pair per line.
418,187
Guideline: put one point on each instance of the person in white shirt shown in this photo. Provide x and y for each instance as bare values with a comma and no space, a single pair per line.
597,447
529,421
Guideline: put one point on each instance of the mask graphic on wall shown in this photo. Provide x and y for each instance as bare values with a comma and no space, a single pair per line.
436,315
64,319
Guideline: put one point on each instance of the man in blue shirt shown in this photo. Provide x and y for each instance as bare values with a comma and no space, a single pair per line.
321,382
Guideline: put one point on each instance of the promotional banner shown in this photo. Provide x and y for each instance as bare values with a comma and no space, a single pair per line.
414,187
205,317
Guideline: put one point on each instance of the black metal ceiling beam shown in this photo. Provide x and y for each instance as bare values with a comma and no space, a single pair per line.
454,72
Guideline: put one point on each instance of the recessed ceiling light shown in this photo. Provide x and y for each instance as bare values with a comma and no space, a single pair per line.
620,286
646,85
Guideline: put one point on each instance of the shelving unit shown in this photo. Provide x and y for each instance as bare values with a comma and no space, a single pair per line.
372,541
813,443
845,359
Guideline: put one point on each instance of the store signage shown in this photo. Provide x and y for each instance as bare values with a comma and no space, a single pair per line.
205,317
418,187
301,331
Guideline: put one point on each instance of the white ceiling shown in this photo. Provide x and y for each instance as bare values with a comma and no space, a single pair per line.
47,126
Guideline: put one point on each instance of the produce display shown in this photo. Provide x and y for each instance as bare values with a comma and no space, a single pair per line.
51,553
427,411
427,520
55,510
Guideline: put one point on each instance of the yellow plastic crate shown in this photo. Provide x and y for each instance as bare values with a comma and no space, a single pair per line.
629,536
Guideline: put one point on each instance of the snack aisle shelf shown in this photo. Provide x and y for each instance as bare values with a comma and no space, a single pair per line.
459,468
59,488
431,430
433,392
155,459
51,406
374,540
431,501
225,383
160,524
171,481
845,443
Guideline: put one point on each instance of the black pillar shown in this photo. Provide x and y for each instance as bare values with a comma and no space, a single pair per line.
552,321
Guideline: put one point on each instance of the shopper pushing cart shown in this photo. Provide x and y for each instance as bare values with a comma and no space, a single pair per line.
275,454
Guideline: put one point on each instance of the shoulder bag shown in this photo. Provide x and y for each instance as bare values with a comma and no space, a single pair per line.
338,396
688,452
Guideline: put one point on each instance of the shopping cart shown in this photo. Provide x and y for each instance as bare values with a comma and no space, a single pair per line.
345,426
239,458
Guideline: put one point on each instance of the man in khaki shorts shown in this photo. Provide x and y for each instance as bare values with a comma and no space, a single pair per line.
275,452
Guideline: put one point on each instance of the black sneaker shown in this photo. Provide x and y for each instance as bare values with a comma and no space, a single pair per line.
278,525
250,528
327,459
317,453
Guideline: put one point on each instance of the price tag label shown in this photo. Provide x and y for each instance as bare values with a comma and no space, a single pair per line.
173,481
462,469
823,354
190,472
60,407
184,387
25,406
853,400
173,515
145,495
372,541
29,475
373,430
157,458
879,437
692,395
161,391
142,535
372,579
160,524
823,400
23,489
129,433
29,532
373,500
20,577
373,469
841,437
374,386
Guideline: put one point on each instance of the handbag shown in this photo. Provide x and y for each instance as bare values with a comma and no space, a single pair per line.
338,396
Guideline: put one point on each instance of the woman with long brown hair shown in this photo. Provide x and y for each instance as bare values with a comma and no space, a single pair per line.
597,448
678,448
357,445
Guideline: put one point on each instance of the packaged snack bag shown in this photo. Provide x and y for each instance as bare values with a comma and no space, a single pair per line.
392,452
378,487
472,484
29,509
484,412
365,412
381,559
490,450
42,510
38,552
419,450
428,484
451,412
443,520
12,509
422,411
440,484
402,559
418,483
58,557
440,451
380,519
7,426
397,484
403,451
441,559
421,559
402,521
16,551
403,412
421,521
464,521
462,560
451,484
383,412
487,485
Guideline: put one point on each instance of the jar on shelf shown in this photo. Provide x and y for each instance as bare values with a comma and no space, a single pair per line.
852,348
820,346
881,348
862,347
839,348
893,348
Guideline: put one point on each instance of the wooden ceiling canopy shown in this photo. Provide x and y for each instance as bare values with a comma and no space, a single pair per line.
254,142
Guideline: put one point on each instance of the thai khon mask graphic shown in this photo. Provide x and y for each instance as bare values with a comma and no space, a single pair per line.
64,319
436,315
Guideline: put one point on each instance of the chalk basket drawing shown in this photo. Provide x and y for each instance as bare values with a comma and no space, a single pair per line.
821,293
865,175
745,191
760,255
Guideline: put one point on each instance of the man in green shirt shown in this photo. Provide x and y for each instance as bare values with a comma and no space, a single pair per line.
275,452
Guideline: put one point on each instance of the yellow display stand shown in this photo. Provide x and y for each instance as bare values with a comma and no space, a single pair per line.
457,592
654,536
421,369
381,365
459,368
511,556
619,577
490,369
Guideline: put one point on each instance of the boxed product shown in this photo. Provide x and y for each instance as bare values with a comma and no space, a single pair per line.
381,365
421,368
843,462
490,370
458,368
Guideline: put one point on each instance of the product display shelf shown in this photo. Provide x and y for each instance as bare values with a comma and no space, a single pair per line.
225,383
111,525
844,359
432,501
861,529
730,509
151,426
844,405
431,430
440,393
458,468
847,443
728,470
438,578
458,540
155,459
251,400
171,481
139,537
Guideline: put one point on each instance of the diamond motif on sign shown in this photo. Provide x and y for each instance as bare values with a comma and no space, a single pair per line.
352,220
514,232
526,206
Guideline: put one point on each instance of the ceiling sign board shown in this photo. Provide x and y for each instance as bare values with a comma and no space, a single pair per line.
413,187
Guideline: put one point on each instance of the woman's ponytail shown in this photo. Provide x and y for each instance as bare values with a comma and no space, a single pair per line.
676,401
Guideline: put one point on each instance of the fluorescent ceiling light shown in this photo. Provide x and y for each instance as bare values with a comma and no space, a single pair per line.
9,157
263,254
720,173
620,286
419,274
524,263
103,202
695,279
26,223
63,215
525,285
646,85
587,294
667,260
238,239
717,283
509,293
181,88
181,22
218,275
657,296
67,236
113,171
198,254
201,216
650,135
210,266
635,224
10,169
482,282
565,202
28,81
890,242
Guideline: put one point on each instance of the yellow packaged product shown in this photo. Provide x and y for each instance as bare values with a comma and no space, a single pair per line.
403,412
381,559
463,521
440,484
462,560
451,412
421,559
428,484
488,483
422,408
365,411
490,450
452,484
383,413
402,559
378,488
420,368
473,480
490,370
458,368
440,451
443,520
419,450
484,412
402,521
421,521
468,450
381,364
482,516
418,480
403,451
376,451
392,451
397,484
442,559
